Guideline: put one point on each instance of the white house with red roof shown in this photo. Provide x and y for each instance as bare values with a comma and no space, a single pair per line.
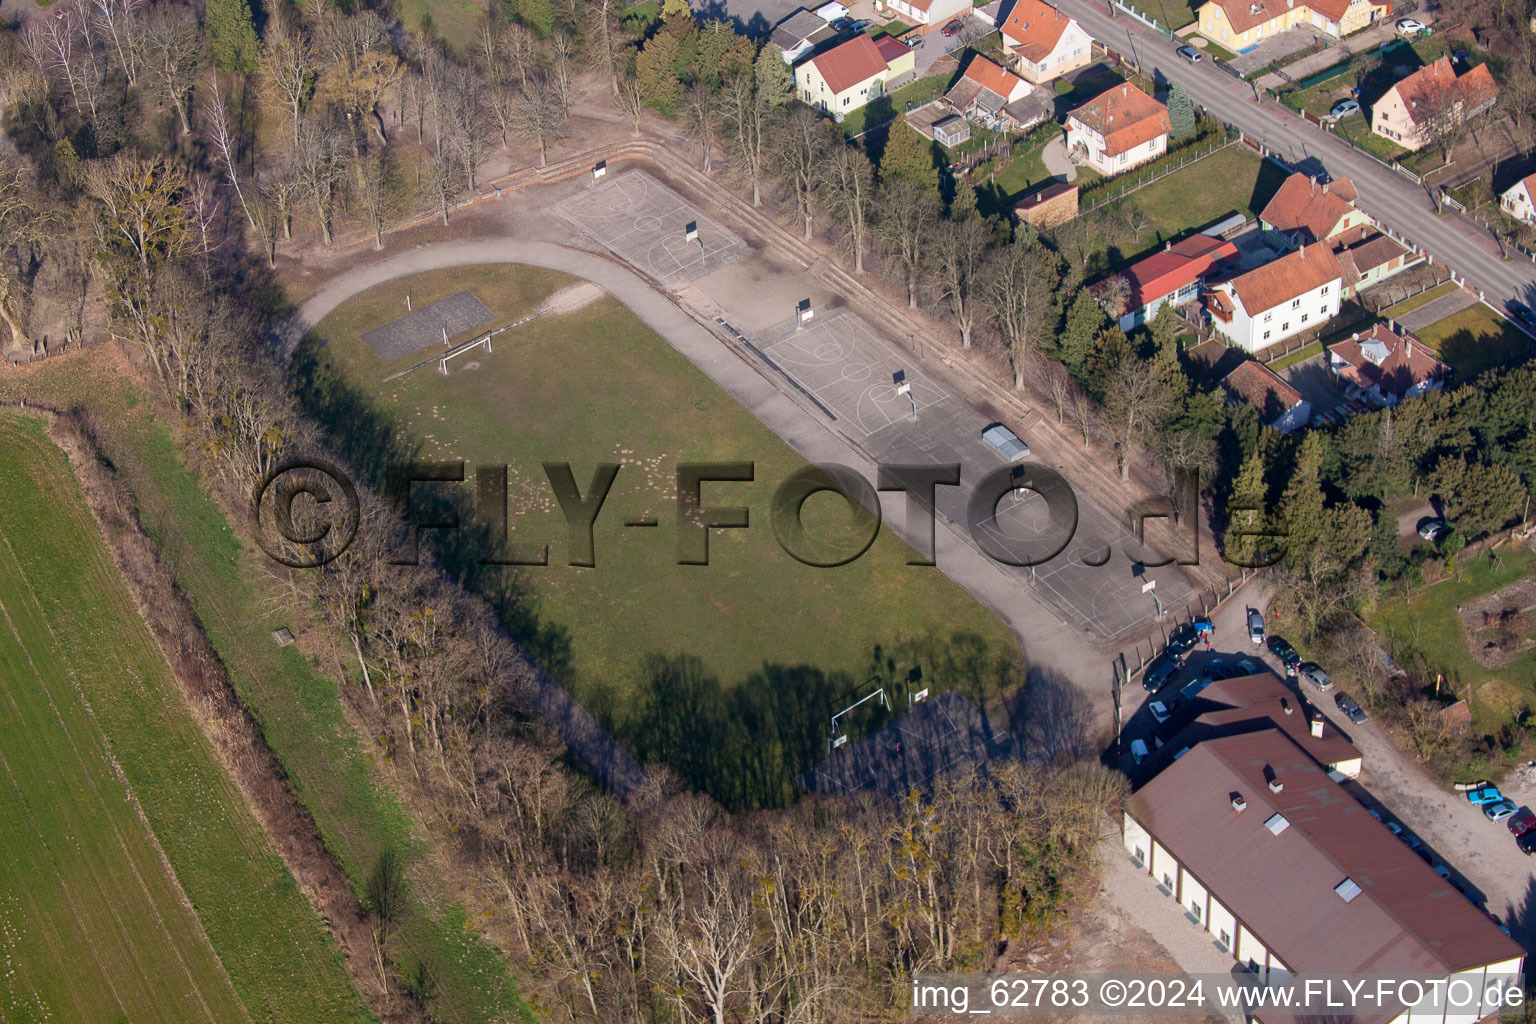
1418,108
1272,302
1519,200
997,98
1172,275
1384,366
1046,42
851,74
1118,129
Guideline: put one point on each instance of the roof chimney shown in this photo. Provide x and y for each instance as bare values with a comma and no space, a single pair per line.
1239,802
1303,250
1408,346
1285,705
1355,336
1275,785
1325,188
1125,90
1317,727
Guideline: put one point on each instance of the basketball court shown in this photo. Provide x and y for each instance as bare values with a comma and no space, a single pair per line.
427,326
935,736
851,371
645,223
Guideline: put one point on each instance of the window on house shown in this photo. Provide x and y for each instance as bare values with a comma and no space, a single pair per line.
846,100
1226,938
1266,335
1168,881
1268,317
1295,303
1285,326
1195,908
1141,855
1304,317
1325,289
1323,311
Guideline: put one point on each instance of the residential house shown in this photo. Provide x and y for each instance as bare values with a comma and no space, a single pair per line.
1046,208
900,61
1280,405
998,99
1172,275
926,15
1232,707
1288,295
1046,42
851,74
1417,110
1239,24
1291,875
1117,130
800,34
1383,366
1519,200
1305,210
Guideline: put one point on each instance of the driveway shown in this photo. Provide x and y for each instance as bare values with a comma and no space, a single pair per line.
1384,194
1276,48
1437,310
1315,382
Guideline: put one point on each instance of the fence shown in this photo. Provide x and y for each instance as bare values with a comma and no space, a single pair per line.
1114,189
1151,23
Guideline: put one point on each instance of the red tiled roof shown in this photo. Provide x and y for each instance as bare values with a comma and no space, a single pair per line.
846,65
1302,204
992,77
1034,28
1125,116
1282,884
1252,382
1164,273
1437,85
1371,250
1286,278
891,48
1381,358
1243,15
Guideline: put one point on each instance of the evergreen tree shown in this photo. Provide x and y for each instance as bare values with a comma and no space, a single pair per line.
775,79
231,36
1181,112
1301,507
964,203
909,156
1247,515
671,8
655,68
1084,321
1111,350
1164,326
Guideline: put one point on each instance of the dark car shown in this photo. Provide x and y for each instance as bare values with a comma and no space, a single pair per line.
1527,842
951,28
1522,822
1523,313
1182,639
1162,669
1351,710
1280,648
1189,53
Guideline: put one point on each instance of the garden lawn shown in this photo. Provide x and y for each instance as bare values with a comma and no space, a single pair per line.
888,108
1413,302
596,385
1474,340
98,749
297,706
1428,625
1173,14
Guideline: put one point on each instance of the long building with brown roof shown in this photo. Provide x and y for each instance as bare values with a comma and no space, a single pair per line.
1263,306
1238,24
1292,876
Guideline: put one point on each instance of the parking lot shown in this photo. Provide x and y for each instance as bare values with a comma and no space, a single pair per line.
1482,856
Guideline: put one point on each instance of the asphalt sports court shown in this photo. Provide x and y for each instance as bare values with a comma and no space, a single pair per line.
423,328
850,370
644,222
935,736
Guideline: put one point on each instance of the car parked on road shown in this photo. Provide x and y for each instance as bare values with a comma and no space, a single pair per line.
1432,528
1351,710
1190,54
1005,442
1313,672
1344,108
1527,842
1522,822
1500,809
1163,668
1255,626
862,26
1523,313
1410,26
1281,648
843,25
1485,794
1182,639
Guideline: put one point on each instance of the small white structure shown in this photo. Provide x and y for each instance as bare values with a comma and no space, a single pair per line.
831,11
1266,305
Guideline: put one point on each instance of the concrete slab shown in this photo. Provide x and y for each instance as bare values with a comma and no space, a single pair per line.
428,326
643,223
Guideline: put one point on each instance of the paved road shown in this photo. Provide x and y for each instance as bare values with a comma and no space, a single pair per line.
1389,197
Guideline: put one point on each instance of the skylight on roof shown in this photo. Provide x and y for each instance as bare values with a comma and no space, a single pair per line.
1347,889
1277,823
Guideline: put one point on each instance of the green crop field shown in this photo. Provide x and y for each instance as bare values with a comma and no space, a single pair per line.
95,745
596,385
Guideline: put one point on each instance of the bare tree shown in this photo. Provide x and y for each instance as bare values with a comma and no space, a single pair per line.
906,222
318,167
226,145
849,185
959,246
1136,402
439,185
1053,378
173,51
802,146
630,99
701,112
744,117
288,66
540,116
119,19
22,226
1018,285
464,115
